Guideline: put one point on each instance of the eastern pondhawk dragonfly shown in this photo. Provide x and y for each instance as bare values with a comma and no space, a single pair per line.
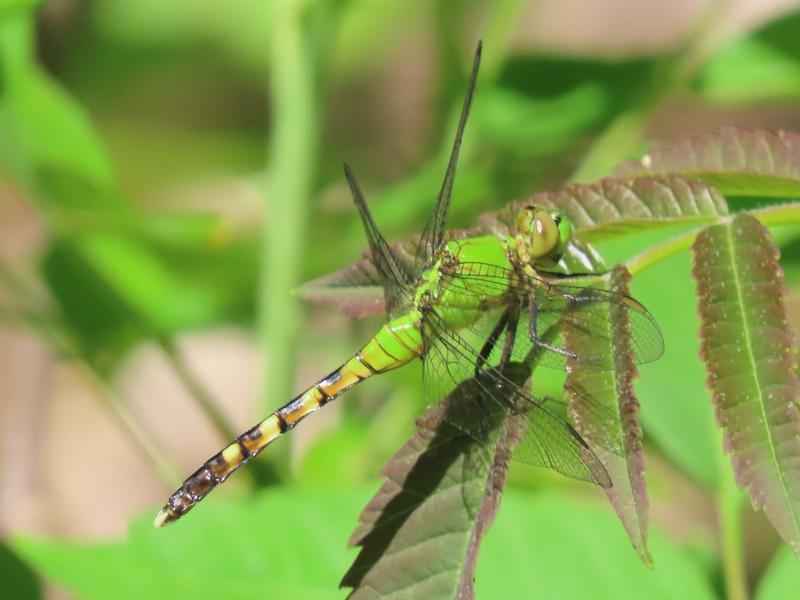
471,309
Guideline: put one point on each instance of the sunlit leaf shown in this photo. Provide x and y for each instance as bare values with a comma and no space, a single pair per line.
748,348
41,127
16,578
762,66
604,408
781,579
283,543
736,161
550,545
420,534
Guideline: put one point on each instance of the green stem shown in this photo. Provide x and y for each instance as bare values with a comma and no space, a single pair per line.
729,514
772,216
63,344
655,254
197,390
292,162
164,468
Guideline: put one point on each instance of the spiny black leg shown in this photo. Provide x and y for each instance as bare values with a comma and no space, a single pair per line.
488,346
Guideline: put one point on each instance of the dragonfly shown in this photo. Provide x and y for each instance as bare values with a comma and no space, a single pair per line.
472,310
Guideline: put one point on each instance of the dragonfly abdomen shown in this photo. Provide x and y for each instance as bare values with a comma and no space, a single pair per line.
397,343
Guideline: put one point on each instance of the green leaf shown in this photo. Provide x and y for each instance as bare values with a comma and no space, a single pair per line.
676,412
41,128
763,66
8,7
282,543
735,161
748,349
420,534
781,580
549,545
114,291
604,408
16,578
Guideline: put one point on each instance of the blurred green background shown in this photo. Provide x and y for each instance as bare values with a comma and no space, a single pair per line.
171,170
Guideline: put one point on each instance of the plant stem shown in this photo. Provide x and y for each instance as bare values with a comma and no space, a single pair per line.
729,513
164,468
655,254
198,391
771,216
292,150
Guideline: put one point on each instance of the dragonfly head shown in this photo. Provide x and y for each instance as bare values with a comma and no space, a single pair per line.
545,232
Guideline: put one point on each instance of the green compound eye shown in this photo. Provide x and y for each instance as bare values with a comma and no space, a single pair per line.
544,234
564,230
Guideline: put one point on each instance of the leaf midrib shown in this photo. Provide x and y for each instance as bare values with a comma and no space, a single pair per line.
749,346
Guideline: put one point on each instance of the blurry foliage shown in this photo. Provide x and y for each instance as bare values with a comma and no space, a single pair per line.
174,89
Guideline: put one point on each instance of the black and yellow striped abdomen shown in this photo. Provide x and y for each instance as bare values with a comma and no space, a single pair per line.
396,344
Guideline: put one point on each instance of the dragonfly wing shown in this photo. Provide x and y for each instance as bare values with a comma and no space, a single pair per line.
433,234
585,311
547,440
395,280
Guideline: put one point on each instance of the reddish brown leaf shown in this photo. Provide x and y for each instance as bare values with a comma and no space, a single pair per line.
604,408
748,348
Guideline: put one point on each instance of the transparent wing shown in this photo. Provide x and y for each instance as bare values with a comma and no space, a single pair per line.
433,233
554,308
548,440
395,280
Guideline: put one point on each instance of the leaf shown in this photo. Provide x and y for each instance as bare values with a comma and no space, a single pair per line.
282,543
41,127
611,207
16,578
748,348
781,580
420,534
735,161
601,210
550,545
762,66
604,409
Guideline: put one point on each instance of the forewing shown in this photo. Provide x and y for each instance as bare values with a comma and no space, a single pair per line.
582,309
394,279
548,440
433,234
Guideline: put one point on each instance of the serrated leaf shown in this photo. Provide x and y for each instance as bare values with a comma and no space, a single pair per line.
736,161
748,348
420,534
604,409
611,207
282,543
597,211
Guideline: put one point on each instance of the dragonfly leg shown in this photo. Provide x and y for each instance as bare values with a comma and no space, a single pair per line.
489,345
534,335
511,336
